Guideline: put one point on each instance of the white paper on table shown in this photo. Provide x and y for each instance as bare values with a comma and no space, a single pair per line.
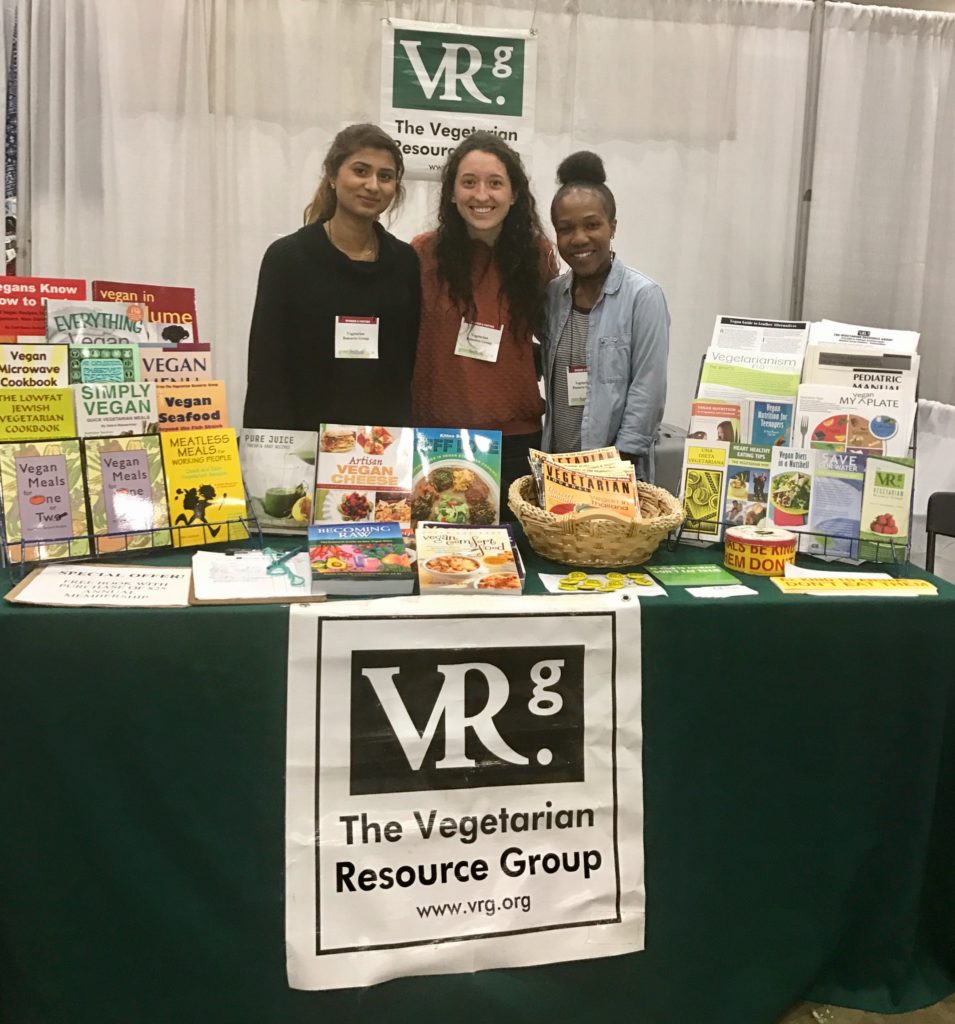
242,576
653,589
797,572
730,590
107,586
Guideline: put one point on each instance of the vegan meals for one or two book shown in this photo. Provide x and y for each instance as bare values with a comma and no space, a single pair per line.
279,471
359,559
127,494
204,486
468,559
44,501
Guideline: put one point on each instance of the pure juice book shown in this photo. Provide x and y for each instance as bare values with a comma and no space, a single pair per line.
279,471
102,364
457,476
108,410
30,414
204,486
44,501
22,304
363,474
468,560
172,309
127,493
359,558
191,405
95,323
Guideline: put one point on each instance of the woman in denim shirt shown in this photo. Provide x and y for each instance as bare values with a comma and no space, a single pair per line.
606,333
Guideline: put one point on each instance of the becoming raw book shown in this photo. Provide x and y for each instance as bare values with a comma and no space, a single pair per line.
359,558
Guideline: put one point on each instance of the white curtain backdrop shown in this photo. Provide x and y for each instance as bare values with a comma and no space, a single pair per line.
882,233
172,142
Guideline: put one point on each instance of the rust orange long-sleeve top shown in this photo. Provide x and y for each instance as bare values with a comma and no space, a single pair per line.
455,391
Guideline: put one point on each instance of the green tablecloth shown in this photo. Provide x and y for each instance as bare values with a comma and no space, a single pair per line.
799,767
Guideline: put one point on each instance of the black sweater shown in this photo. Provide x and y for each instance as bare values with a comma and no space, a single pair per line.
295,382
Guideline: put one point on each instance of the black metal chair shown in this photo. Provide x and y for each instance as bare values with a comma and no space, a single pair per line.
939,520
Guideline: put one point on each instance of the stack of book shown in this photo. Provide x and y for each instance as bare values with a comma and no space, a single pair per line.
597,480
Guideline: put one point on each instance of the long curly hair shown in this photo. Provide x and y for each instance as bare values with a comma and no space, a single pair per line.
517,251
348,141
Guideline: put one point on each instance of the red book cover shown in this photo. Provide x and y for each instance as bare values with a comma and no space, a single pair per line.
22,313
172,310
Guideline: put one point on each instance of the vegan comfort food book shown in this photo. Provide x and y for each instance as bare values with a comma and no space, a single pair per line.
468,560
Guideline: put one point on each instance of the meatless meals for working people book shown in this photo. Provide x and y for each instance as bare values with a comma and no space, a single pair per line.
108,410
127,493
279,471
44,501
204,486
30,414
468,560
359,559
363,474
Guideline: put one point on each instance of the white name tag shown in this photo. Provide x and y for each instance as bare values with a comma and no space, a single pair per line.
356,337
478,341
576,385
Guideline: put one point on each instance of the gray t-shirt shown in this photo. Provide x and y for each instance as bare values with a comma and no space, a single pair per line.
571,351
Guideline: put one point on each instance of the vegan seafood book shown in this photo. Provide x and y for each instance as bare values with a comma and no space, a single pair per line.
359,559
127,493
363,474
468,560
279,471
44,500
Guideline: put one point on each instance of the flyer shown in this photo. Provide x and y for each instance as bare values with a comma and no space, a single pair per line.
453,780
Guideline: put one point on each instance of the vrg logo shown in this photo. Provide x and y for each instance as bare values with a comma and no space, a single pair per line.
449,719
459,73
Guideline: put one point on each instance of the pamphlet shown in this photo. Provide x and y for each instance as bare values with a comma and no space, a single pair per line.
747,484
790,487
251,576
702,490
569,488
692,575
886,503
745,334
827,332
711,420
836,507
878,422
731,375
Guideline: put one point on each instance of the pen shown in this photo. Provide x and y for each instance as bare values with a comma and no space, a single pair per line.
291,554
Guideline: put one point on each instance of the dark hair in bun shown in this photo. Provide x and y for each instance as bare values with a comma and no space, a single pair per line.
584,170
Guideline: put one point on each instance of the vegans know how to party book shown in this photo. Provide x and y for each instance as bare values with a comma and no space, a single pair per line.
359,558
279,471
127,493
44,502
468,560
204,486
23,312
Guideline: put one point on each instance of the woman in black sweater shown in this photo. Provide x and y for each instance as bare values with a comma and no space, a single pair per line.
336,313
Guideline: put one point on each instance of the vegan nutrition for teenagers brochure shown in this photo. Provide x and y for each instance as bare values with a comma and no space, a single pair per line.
32,413
109,410
23,312
127,493
279,471
204,486
468,559
44,500
457,476
363,474
95,323
359,558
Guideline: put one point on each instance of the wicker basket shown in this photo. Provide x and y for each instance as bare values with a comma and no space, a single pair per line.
593,538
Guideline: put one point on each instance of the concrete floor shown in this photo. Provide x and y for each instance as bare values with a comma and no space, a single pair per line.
814,1013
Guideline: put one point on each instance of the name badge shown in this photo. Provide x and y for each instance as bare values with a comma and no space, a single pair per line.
576,385
356,337
478,341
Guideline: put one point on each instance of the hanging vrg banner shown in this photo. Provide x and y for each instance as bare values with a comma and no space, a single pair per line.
464,786
440,83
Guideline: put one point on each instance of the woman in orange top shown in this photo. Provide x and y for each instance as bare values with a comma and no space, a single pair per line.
484,276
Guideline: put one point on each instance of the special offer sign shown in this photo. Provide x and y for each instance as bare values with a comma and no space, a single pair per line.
464,786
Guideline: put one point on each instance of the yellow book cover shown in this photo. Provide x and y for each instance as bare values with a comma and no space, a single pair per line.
567,489
576,458
204,486
191,405
32,414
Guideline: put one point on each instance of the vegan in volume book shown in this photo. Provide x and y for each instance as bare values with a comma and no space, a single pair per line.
127,494
44,501
204,486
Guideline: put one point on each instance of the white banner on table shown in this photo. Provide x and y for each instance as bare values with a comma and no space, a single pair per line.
440,83
464,787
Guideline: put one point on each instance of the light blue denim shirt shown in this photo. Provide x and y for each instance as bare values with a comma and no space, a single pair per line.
627,345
